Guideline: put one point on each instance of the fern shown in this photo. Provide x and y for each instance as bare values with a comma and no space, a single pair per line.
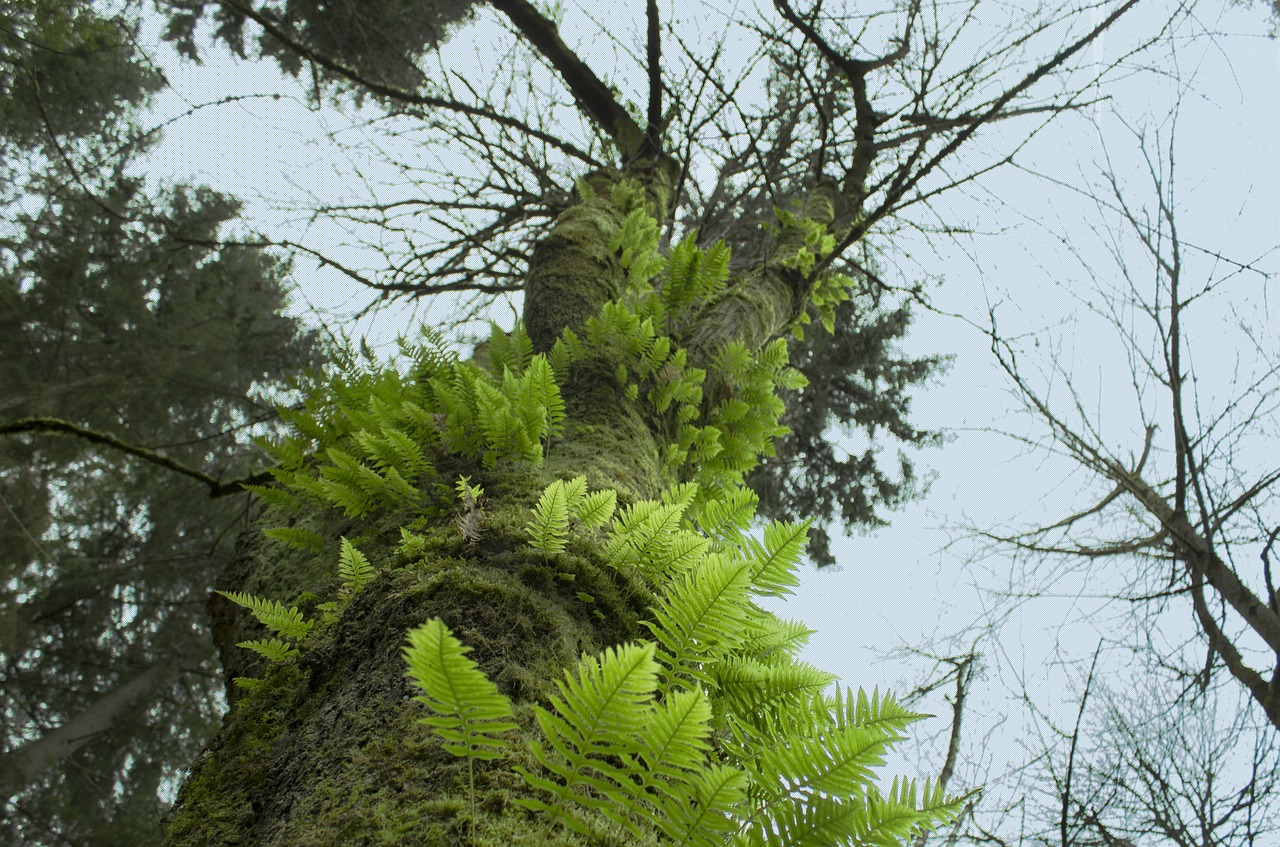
692,275
353,568
775,561
596,509
549,529
272,614
296,536
272,649
564,501
509,351
596,720
701,617
468,711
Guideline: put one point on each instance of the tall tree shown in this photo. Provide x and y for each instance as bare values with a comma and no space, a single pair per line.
1151,719
123,322
448,497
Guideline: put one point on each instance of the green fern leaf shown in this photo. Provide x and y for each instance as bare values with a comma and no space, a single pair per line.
468,710
281,499
771,640
591,733
353,568
877,710
760,693
717,794
675,739
550,525
296,536
597,508
272,614
701,617
774,569
728,516
274,650
575,493
511,351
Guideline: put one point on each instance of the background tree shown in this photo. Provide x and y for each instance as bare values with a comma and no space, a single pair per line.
1169,735
120,313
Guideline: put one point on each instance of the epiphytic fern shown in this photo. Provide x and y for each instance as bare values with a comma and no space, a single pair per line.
468,711
565,502
614,750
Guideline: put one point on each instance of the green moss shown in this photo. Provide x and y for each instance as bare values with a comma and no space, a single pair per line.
329,751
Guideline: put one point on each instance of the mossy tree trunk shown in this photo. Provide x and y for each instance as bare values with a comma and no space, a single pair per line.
328,749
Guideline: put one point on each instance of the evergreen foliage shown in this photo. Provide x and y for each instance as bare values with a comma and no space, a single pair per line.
122,310
857,383
367,434
381,40
67,69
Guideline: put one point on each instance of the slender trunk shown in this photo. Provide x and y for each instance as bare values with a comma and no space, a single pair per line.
22,766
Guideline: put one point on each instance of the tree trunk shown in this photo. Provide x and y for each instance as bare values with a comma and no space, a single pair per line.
329,750
24,765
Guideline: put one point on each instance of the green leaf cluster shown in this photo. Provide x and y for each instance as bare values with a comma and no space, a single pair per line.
367,435
355,572
467,710
715,444
817,241
286,622
829,291
714,732
565,502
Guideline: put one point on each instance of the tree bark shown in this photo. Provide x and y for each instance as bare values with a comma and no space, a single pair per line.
329,751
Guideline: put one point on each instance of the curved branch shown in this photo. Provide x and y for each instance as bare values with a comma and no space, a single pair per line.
391,92
217,488
593,96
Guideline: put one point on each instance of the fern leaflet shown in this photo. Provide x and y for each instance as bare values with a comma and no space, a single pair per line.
272,614
353,568
468,710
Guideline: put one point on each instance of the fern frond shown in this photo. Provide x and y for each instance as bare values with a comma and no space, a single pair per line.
510,351
759,692
877,710
550,525
575,493
272,614
273,649
353,568
639,535
770,639
774,570
717,794
833,762
469,710
281,499
702,616
540,399
728,516
675,739
296,536
903,813
591,733
597,508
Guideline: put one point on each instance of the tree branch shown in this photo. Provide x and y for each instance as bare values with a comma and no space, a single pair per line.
392,93
593,96
217,488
